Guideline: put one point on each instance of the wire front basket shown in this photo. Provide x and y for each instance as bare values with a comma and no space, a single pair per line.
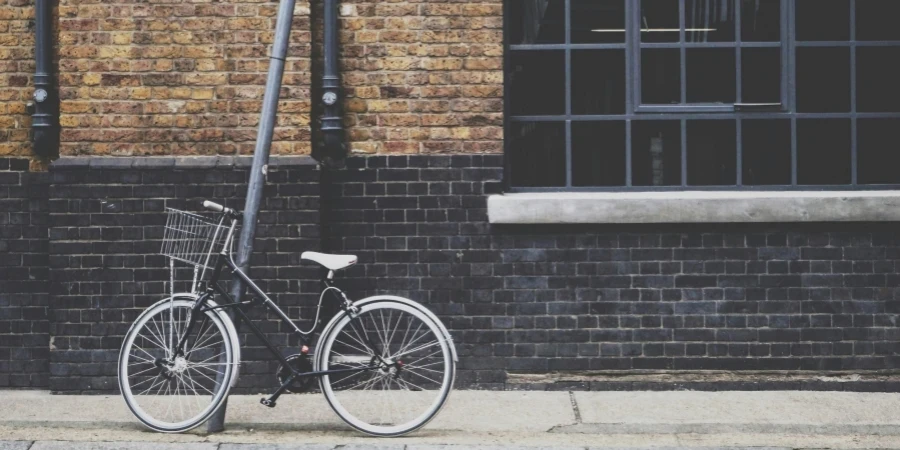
192,238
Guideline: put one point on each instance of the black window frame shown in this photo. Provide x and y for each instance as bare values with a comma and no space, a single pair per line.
635,47
685,113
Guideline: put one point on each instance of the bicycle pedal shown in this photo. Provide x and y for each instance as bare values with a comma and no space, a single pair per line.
267,402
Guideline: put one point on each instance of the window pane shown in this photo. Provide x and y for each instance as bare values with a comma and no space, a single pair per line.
878,79
878,151
598,21
876,20
761,75
761,20
709,21
823,20
598,153
537,22
823,152
598,82
766,152
711,153
537,154
710,75
656,153
823,79
660,76
660,21
537,81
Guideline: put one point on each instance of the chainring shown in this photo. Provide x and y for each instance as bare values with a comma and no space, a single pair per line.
301,363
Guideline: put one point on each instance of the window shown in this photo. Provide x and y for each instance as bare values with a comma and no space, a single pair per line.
701,94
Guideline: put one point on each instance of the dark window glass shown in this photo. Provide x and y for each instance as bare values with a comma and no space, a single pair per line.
598,82
878,151
538,156
766,152
823,20
711,75
709,21
878,79
823,79
538,82
598,153
598,21
761,20
876,20
711,153
660,21
656,153
761,78
823,152
660,76
537,22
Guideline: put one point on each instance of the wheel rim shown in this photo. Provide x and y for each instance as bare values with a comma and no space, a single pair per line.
175,392
408,389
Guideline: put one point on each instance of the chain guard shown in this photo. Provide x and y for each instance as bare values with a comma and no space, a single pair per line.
301,363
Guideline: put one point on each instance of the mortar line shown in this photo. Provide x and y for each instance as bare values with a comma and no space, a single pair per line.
575,407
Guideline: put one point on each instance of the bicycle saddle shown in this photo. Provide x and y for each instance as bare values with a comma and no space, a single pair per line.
330,262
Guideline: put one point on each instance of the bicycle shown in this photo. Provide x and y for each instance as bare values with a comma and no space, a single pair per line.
385,364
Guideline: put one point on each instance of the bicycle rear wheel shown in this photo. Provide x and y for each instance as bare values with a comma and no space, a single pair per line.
176,392
403,368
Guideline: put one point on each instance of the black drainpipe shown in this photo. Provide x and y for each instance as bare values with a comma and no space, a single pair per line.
45,109
332,128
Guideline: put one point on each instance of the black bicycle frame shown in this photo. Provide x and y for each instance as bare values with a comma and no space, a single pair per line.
212,287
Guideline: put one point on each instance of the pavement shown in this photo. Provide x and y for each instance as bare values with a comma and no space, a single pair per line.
31,420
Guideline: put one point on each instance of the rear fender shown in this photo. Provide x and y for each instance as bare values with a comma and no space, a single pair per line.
406,301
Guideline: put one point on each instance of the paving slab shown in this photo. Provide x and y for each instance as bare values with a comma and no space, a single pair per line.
68,445
730,408
475,411
15,445
275,447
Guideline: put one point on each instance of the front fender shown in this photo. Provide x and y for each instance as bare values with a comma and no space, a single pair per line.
405,301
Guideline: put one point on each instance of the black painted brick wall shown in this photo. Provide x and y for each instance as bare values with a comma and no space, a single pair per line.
550,298
516,298
106,226
24,342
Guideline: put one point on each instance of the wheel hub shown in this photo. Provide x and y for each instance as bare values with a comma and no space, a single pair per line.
179,365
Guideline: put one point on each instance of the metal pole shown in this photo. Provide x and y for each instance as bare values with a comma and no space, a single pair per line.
260,163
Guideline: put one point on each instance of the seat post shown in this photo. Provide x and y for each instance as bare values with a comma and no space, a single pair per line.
330,275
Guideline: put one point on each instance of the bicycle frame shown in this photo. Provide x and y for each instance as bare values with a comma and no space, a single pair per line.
212,287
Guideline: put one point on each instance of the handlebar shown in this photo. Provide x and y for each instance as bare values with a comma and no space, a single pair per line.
212,206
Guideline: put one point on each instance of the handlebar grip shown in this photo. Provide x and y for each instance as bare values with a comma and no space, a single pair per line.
213,206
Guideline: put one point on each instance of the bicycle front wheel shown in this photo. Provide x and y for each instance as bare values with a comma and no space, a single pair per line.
175,391
394,368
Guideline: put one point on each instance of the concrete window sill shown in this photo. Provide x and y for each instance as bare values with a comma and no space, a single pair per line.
694,207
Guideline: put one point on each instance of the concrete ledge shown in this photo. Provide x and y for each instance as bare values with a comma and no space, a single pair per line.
170,162
694,207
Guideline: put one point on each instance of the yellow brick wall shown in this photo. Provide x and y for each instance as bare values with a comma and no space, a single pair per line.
172,77
16,79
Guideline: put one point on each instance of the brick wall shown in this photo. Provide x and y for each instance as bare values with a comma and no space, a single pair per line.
539,299
24,339
814,299
423,77
105,230
176,78
16,75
